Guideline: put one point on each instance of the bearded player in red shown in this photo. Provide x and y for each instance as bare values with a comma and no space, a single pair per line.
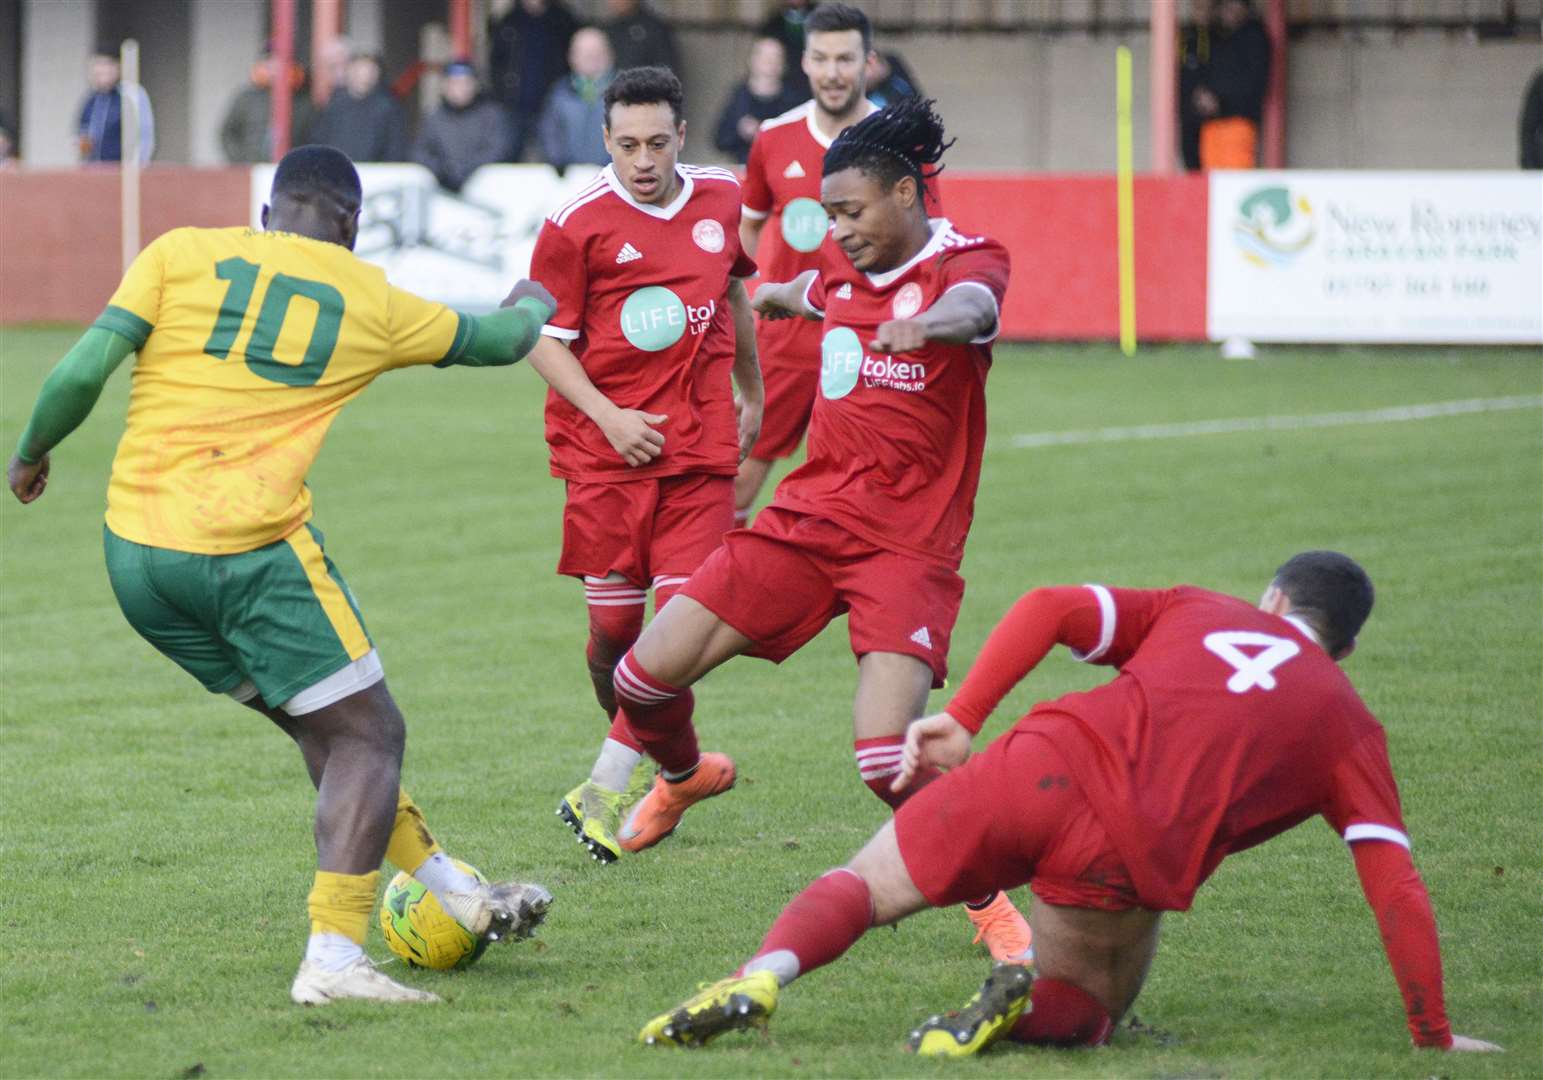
1228,724
782,226
651,318
873,524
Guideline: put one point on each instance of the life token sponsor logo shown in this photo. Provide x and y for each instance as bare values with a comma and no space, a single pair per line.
628,253
654,318
794,171
708,235
908,300
843,362
804,224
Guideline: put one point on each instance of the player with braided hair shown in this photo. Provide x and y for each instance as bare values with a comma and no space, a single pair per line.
873,525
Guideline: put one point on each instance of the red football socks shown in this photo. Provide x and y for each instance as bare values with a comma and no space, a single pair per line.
658,714
1064,1015
615,621
878,763
821,923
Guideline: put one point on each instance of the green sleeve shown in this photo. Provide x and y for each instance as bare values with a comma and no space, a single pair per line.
71,390
499,339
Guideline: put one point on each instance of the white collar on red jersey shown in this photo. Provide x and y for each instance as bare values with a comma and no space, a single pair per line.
941,227
1307,631
819,136
664,213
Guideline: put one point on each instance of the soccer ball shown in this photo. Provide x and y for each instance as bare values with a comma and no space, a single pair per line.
418,930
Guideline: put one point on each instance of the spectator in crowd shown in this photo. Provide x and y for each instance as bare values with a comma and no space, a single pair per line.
361,118
246,133
528,56
1194,62
331,67
1229,97
1532,123
889,79
573,118
100,129
640,38
7,142
766,92
785,22
466,132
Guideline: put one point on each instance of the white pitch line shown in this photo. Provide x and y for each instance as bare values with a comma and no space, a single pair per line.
1396,414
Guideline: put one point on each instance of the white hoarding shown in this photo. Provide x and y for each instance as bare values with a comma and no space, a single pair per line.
1376,256
464,250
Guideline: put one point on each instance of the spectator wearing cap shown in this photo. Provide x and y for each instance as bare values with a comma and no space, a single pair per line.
246,133
361,118
100,127
573,118
466,132
765,93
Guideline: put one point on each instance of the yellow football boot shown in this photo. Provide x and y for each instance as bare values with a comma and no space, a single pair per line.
732,1004
990,1014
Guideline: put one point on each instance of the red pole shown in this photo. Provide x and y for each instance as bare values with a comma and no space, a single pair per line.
326,25
283,39
1273,136
1164,91
460,28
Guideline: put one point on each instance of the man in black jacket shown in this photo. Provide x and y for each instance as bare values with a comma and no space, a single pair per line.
361,118
1229,97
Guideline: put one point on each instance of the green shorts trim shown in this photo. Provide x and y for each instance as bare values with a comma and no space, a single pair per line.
279,615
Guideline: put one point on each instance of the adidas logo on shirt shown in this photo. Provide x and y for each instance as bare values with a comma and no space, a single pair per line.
845,293
793,171
922,638
628,254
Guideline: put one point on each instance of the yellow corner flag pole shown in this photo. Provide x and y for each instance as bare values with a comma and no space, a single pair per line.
1125,203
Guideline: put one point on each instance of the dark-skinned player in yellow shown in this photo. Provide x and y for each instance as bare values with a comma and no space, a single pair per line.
249,342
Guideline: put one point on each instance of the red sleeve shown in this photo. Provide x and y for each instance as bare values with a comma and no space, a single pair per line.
986,267
559,264
755,193
1030,629
1398,898
744,266
1362,803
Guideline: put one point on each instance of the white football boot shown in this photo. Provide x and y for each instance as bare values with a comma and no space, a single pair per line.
504,909
315,985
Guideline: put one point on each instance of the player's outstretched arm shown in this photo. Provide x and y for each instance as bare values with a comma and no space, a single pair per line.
507,335
786,299
749,391
1398,898
66,399
631,432
959,316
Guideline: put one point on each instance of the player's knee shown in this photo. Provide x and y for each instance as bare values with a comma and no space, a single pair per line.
640,692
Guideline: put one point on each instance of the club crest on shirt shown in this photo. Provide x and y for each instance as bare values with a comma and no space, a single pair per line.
908,300
708,235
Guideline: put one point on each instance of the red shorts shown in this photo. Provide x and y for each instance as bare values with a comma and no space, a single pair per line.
641,529
789,401
782,581
1011,814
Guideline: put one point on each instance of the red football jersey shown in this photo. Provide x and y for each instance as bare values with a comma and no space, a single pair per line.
782,185
1226,726
642,300
895,442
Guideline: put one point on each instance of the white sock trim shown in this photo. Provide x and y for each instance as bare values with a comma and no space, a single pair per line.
439,874
613,768
332,952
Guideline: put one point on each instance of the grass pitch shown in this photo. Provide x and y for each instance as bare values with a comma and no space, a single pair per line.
155,842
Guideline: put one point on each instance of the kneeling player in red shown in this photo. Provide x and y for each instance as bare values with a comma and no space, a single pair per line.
873,525
1227,725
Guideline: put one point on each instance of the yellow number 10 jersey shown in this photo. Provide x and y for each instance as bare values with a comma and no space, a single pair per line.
249,344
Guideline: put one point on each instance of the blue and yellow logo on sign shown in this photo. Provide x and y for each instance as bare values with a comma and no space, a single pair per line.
804,224
653,318
1272,227
841,361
